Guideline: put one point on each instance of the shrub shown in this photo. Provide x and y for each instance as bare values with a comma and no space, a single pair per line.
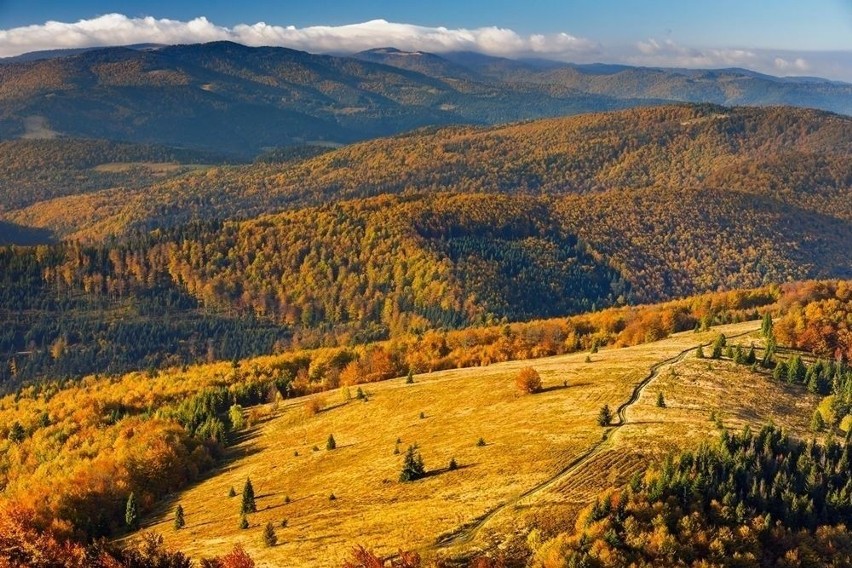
481,442
528,381
269,537
453,465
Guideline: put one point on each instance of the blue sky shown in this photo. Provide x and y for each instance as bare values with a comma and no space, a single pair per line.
780,36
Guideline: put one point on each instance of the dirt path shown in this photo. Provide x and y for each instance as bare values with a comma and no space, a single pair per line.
467,533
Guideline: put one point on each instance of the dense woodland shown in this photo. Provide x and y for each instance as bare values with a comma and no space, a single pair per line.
752,499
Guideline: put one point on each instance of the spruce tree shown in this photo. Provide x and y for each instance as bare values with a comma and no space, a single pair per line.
766,326
248,504
269,538
331,443
699,353
232,492
604,416
751,356
661,400
179,520
817,422
412,465
244,524
409,380
131,513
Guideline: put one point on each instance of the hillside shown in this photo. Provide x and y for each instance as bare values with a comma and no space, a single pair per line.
719,86
234,99
193,431
529,440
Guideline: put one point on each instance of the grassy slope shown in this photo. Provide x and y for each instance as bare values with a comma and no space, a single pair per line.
529,440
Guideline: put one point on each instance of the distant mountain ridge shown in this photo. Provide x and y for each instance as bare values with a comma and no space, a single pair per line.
227,97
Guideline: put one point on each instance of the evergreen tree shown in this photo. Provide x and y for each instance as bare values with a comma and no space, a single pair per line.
16,433
604,416
409,380
661,400
796,370
248,504
817,422
269,537
179,520
244,524
751,357
412,465
766,326
699,353
131,513
331,443
232,492
453,464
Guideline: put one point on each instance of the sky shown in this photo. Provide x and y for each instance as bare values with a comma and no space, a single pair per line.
780,37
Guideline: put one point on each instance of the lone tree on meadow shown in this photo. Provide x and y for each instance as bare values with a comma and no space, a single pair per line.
269,537
604,416
409,379
179,520
528,381
766,325
661,400
412,465
331,443
248,505
131,513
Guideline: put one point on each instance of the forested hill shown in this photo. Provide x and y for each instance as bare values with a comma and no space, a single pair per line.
793,156
227,97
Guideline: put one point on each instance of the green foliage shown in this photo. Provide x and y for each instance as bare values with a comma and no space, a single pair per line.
817,422
661,401
604,416
762,494
232,492
270,539
179,522
131,513
766,326
412,465
244,523
330,444
248,504
409,379
453,465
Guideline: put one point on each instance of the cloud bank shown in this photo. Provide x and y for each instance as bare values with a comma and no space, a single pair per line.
118,29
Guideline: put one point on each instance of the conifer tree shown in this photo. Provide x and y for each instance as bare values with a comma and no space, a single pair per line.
661,400
244,524
766,325
131,513
269,537
179,520
817,422
331,443
409,380
604,416
699,353
412,465
248,504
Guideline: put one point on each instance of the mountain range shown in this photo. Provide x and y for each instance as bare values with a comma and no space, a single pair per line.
239,100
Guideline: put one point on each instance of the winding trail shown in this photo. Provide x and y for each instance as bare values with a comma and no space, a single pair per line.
467,533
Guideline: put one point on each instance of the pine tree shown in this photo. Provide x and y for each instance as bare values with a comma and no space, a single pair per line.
412,465
604,416
131,513
661,400
817,422
244,524
766,326
699,353
232,492
796,370
453,464
16,433
269,538
248,504
331,443
179,520
409,380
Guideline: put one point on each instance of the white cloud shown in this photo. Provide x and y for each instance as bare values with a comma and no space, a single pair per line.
117,29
